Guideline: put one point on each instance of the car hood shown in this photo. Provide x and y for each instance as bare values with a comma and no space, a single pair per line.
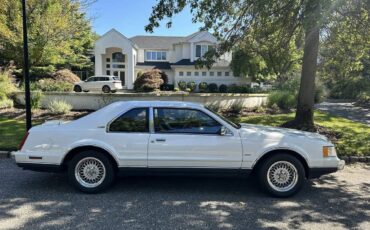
268,132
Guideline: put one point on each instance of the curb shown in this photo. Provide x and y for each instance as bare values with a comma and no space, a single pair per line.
4,154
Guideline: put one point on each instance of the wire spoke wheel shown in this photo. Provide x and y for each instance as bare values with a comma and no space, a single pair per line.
90,172
282,176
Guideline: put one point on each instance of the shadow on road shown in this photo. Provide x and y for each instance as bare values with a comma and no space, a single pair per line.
44,201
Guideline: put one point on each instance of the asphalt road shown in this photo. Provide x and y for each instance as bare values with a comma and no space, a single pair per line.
30,200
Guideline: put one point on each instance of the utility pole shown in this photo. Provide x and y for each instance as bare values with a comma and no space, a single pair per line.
26,72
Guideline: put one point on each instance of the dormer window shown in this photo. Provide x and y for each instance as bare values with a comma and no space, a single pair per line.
200,50
155,56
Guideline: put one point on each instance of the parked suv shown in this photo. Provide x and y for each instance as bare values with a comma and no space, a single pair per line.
106,84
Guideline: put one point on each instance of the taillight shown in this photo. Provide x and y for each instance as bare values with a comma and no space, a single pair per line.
116,82
23,141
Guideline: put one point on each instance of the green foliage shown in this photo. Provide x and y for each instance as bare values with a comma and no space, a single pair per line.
6,103
350,88
176,89
59,107
213,88
149,81
36,97
59,33
51,85
182,85
283,99
364,99
6,86
235,109
37,72
203,87
223,88
191,85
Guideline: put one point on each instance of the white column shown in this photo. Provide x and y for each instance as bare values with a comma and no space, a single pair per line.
98,62
191,52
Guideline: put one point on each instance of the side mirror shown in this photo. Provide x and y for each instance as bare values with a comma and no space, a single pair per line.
225,131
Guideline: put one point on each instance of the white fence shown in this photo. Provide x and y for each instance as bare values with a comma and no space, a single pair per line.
94,101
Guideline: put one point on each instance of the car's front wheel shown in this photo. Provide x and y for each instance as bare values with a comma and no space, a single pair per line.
91,171
282,175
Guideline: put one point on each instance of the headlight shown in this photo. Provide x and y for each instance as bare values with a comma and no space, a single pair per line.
329,151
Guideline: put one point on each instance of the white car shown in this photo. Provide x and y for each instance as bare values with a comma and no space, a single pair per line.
167,137
106,84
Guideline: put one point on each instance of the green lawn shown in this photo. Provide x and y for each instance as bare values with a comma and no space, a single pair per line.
11,133
354,137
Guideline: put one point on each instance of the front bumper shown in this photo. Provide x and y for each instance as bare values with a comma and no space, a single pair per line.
318,172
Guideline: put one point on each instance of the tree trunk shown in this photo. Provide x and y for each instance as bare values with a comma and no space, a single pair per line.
306,97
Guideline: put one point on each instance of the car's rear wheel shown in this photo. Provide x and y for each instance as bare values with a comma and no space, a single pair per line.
106,89
282,175
77,88
91,171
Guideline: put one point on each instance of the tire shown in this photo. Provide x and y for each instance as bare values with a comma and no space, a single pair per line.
77,89
106,89
281,175
100,177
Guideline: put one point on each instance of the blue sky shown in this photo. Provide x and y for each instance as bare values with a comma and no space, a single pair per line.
130,16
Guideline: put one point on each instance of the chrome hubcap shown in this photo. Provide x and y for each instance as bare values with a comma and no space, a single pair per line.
90,172
282,176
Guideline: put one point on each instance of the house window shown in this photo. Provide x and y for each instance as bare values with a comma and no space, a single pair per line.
118,57
107,65
227,74
204,74
181,73
196,73
200,50
188,74
211,74
107,59
118,66
156,55
108,72
219,74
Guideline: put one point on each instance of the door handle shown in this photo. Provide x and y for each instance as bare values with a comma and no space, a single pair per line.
160,140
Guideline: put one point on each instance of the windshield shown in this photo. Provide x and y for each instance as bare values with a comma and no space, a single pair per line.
235,125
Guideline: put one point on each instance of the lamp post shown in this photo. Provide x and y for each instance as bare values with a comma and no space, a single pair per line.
26,68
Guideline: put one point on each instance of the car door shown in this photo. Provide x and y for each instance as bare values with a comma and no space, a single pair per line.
129,134
89,84
190,138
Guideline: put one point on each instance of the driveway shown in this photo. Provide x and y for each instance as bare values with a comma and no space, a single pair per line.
347,110
31,200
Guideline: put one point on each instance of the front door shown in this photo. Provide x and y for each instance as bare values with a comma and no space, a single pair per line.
189,138
121,75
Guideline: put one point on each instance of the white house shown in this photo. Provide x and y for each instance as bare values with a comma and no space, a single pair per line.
118,55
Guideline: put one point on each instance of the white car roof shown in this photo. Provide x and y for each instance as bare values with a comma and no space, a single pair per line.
160,104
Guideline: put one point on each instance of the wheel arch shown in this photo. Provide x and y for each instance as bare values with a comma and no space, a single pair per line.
297,155
78,149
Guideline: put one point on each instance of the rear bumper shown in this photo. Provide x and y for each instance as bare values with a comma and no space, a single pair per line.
318,172
41,167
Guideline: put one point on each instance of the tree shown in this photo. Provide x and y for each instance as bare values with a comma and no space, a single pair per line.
233,20
59,32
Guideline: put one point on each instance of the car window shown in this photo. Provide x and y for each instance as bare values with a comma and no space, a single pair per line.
91,79
115,78
174,120
135,120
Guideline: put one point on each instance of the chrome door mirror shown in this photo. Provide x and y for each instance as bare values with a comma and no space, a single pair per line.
225,131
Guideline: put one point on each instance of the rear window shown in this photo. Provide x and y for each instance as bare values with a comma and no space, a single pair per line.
115,78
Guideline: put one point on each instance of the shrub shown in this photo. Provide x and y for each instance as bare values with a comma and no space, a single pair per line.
59,107
167,87
216,107
37,72
65,75
188,90
36,97
182,85
176,89
320,92
234,88
350,88
236,108
6,86
203,87
164,77
191,85
6,103
223,88
51,85
213,88
364,99
149,81
284,100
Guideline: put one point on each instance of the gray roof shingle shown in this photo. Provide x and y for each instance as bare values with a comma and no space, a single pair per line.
156,42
